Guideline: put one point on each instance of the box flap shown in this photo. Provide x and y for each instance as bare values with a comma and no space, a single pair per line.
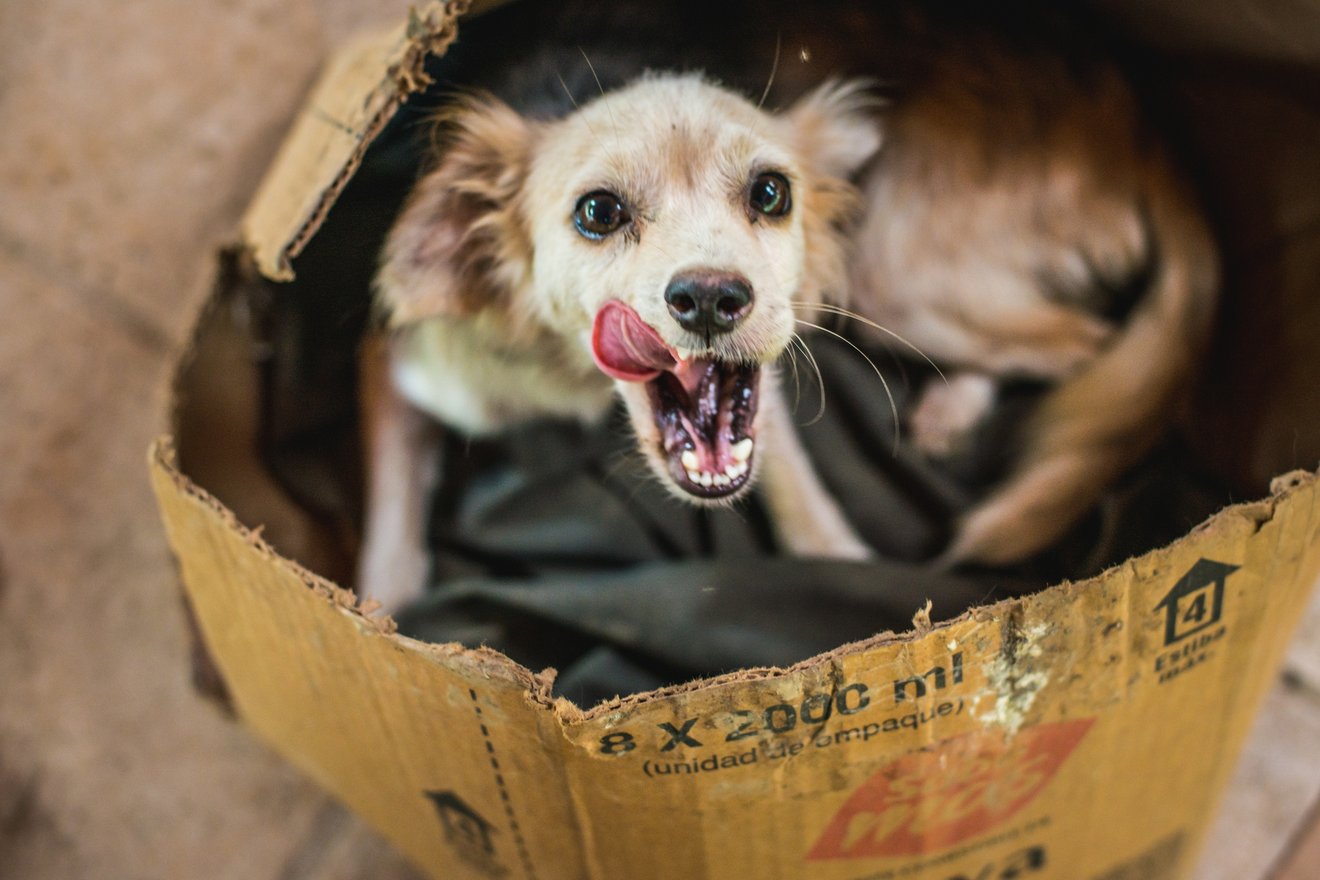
336,126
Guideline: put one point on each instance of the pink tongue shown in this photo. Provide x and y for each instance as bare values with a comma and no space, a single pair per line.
625,347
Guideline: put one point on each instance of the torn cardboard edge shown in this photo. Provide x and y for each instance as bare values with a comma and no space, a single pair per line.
163,459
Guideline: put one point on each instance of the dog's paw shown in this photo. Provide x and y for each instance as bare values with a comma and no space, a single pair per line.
947,412
828,543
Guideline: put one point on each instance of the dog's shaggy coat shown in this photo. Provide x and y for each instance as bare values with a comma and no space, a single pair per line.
503,307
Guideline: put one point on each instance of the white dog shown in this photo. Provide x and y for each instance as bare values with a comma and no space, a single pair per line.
653,246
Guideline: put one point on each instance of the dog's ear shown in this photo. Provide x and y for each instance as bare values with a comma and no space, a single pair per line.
459,245
835,131
836,128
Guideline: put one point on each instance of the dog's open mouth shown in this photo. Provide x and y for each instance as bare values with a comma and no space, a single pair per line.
704,407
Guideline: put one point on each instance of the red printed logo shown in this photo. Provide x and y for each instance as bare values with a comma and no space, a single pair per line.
933,799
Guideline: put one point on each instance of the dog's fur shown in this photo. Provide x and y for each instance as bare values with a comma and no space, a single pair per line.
492,293
1024,221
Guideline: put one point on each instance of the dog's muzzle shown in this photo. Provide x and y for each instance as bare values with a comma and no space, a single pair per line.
704,407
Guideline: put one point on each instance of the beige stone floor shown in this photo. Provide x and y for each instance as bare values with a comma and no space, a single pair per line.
131,134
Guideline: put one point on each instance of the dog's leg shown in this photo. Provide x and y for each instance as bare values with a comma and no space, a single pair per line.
947,412
400,444
808,522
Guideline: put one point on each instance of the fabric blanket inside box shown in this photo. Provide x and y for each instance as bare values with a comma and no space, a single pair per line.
555,545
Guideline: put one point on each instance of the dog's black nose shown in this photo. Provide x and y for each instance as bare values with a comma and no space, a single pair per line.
707,303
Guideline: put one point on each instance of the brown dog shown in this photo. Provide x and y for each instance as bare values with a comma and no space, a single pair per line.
1023,220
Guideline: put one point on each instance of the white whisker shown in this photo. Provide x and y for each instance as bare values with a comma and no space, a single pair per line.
820,380
573,101
845,313
567,91
893,407
797,379
774,68
600,88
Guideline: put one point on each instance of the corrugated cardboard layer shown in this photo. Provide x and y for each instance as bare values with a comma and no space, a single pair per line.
1084,732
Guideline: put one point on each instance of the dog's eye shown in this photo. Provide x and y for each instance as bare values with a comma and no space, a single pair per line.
769,194
599,213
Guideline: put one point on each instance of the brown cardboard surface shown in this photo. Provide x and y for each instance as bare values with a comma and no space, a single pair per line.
1071,728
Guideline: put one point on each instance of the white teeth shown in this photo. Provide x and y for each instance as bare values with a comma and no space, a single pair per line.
742,450
731,473
707,479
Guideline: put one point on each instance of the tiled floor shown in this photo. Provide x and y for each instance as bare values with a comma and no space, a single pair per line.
130,135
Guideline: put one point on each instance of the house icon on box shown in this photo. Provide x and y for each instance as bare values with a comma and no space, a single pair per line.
1196,601
466,830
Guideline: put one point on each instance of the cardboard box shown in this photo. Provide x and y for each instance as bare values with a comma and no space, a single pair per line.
1086,731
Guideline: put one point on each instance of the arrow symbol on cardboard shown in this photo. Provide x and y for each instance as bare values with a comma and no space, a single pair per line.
1196,601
